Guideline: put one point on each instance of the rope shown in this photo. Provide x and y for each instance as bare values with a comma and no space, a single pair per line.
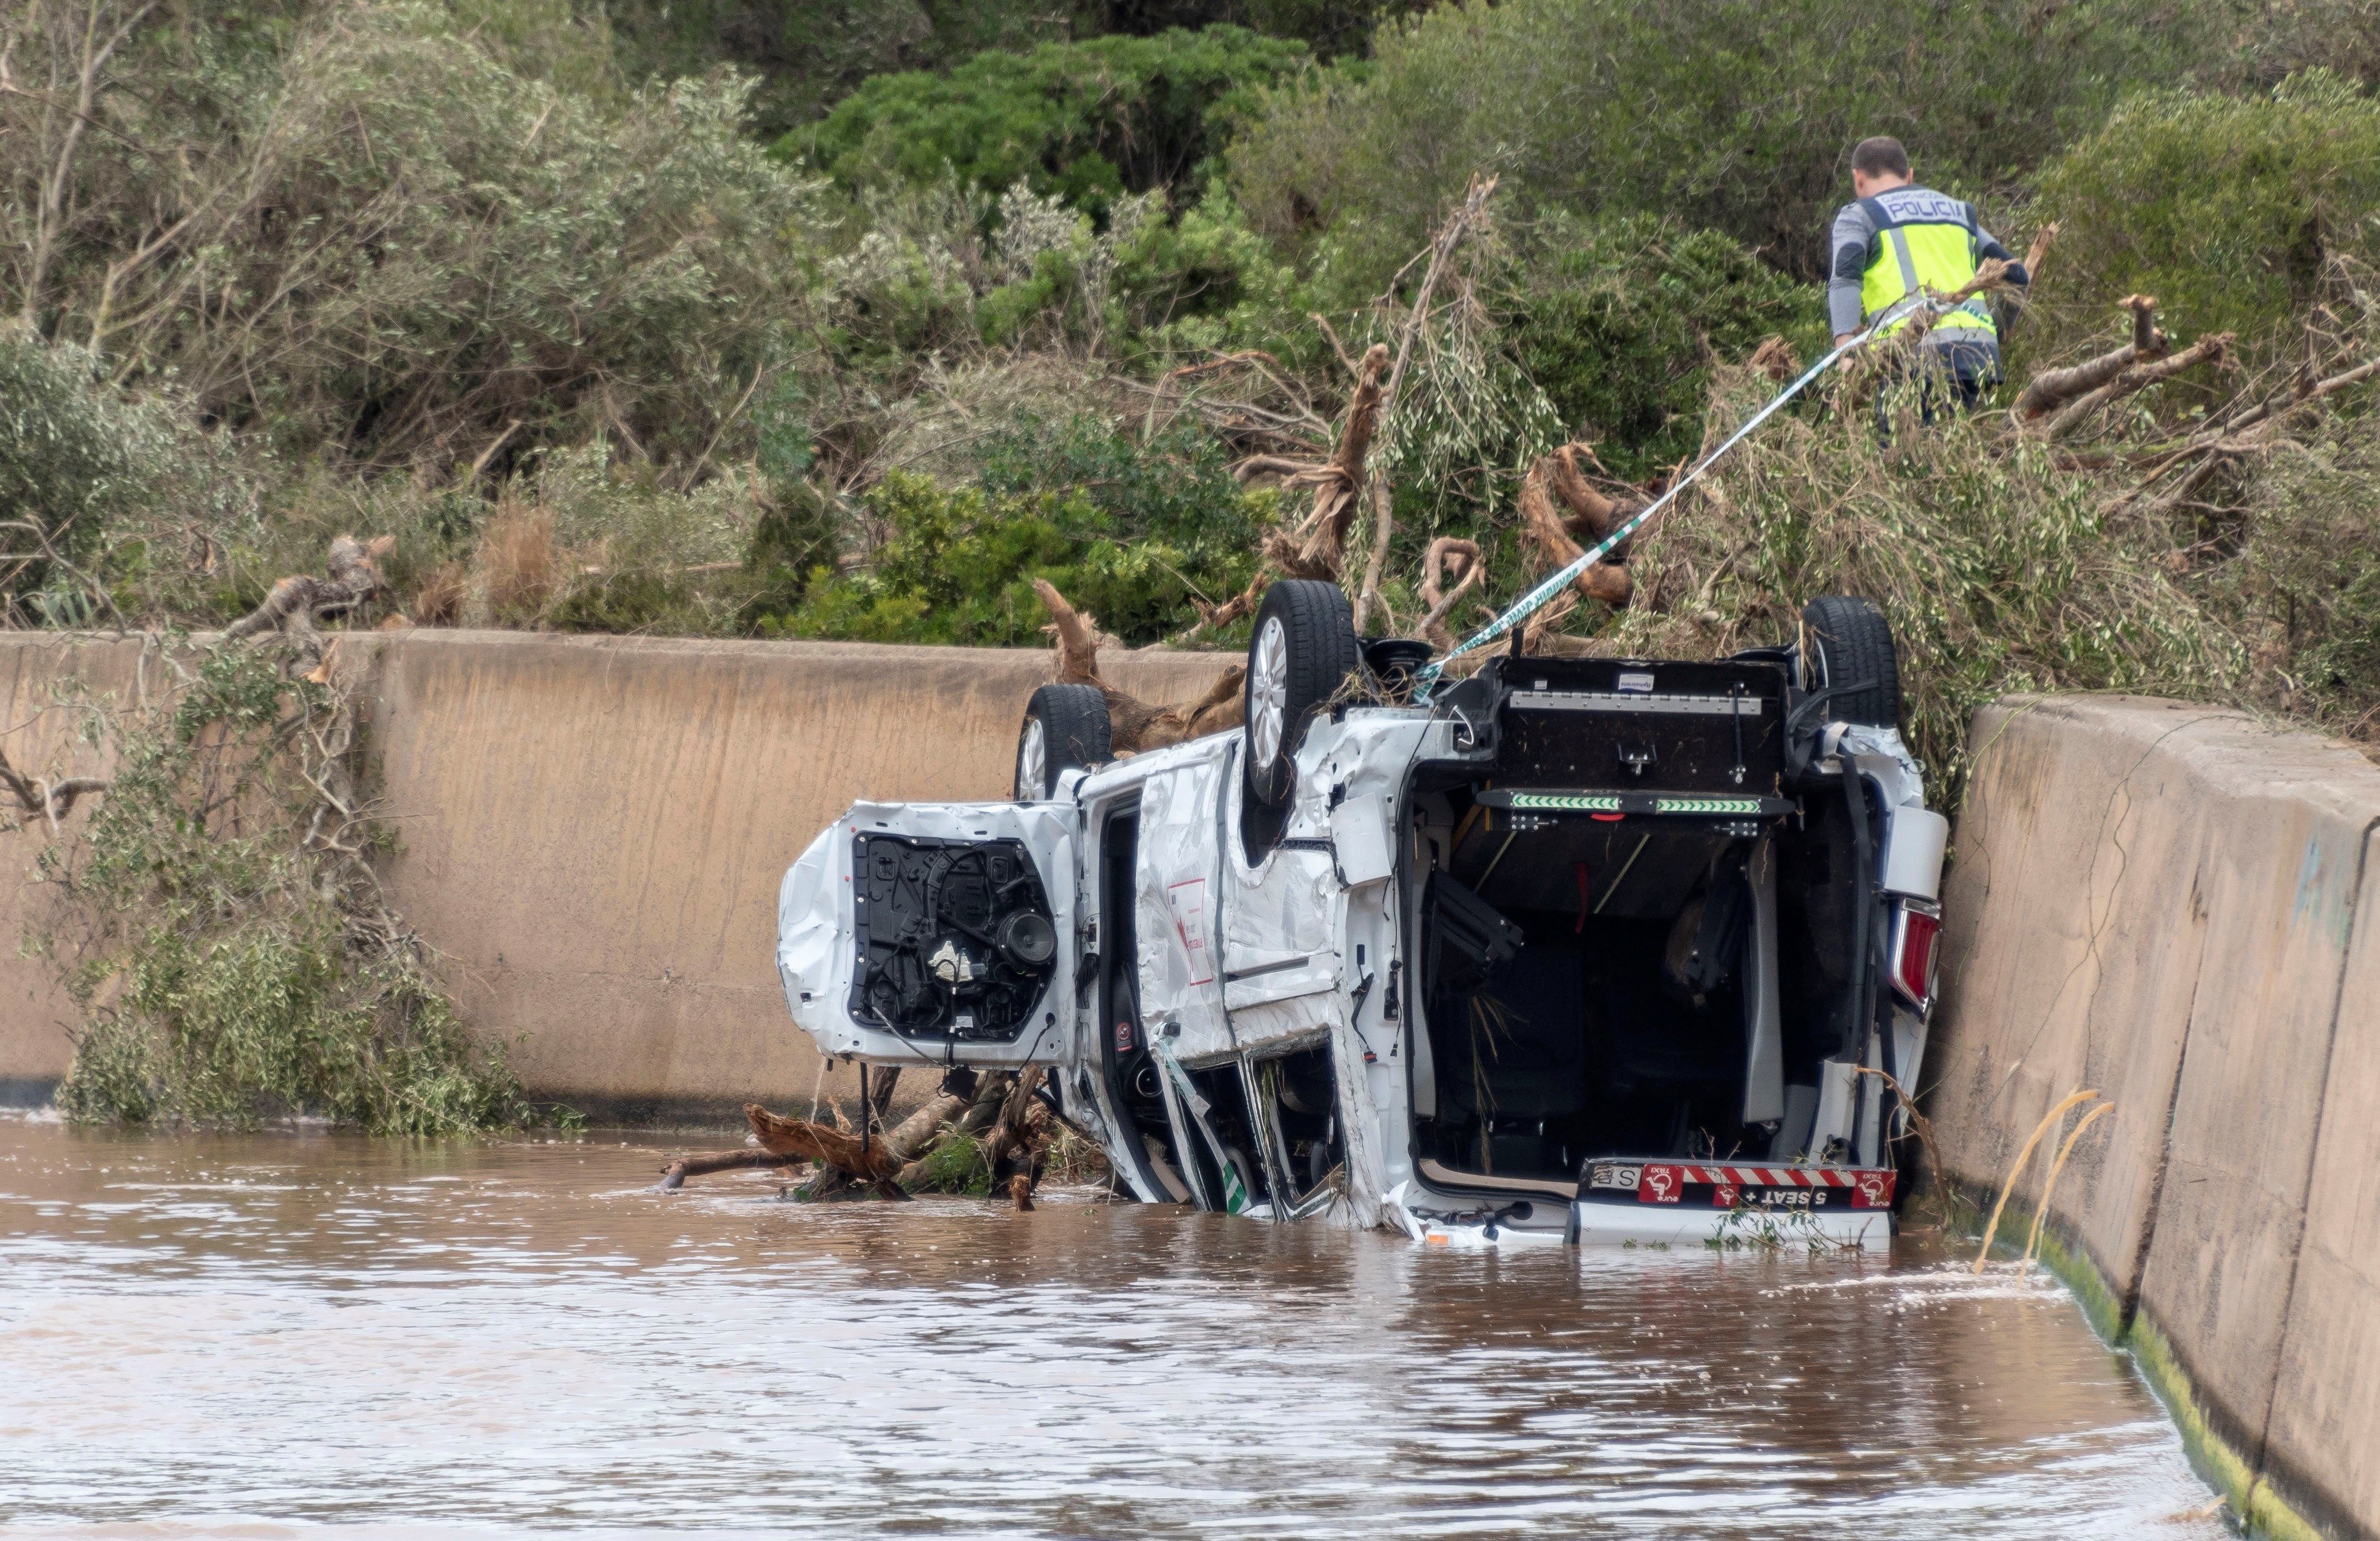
1529,604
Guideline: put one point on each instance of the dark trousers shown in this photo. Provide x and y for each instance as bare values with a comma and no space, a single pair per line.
1950,378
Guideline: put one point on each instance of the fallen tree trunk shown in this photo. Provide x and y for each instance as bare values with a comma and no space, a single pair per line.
300,602
2051,389
2138,378
870,1162
674,1174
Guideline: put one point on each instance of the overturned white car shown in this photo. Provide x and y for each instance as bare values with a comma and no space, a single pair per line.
1593,948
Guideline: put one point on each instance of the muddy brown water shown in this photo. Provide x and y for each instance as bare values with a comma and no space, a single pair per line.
265,1335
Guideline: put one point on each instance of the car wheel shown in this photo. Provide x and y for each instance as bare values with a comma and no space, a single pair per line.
1302,651
1850,650
1065,729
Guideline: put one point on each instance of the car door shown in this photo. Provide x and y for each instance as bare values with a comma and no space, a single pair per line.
1284,929
942,933
1176,873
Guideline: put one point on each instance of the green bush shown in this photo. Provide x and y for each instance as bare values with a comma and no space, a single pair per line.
1085,120
397,245
229,965
2304,588
2231,210
91,469
1715,113
1128,532
1618,320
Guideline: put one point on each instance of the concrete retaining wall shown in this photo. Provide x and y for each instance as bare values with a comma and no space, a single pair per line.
2180,908
593,828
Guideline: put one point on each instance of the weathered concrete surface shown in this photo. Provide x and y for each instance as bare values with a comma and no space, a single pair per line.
2322,1447
2162,903
592,829
42,677
2074,886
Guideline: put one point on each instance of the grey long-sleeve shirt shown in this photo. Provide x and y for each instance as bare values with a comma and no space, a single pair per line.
1854,245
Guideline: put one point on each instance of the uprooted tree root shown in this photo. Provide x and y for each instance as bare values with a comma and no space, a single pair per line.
975,1135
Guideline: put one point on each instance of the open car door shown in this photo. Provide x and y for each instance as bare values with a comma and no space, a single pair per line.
934,932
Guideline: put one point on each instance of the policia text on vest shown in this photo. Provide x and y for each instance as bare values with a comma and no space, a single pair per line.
1887,244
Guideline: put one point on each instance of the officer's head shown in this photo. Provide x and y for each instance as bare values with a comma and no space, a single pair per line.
1879,164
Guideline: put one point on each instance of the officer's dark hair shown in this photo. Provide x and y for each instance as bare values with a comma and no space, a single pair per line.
1880,156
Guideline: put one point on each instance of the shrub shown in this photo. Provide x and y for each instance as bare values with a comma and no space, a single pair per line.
91,470
396,245
1715,113
1619,320
2231,210
223,939
1129,532
1087,120
2304,587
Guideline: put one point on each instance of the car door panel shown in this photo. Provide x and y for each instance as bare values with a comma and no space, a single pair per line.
937,931
1175,877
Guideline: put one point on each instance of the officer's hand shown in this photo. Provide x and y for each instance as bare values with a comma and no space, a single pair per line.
1842,337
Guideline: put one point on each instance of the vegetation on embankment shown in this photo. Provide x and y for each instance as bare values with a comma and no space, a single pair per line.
851,318
217,921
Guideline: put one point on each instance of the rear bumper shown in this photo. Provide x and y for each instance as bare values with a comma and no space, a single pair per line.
1665,1202
1662,1225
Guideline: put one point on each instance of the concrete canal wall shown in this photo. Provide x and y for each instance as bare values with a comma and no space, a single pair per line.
2181,909
592,830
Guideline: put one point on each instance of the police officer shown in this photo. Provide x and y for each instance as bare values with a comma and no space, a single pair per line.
1895,238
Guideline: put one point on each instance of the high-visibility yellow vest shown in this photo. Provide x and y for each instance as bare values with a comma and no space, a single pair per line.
1940,255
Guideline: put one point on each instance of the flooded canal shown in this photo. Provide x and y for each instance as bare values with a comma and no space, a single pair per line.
254,1336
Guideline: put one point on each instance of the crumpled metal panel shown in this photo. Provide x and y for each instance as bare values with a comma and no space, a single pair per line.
814,950
817,947
1280,929
1181,967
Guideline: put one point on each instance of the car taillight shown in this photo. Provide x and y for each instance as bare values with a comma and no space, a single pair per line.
1913,935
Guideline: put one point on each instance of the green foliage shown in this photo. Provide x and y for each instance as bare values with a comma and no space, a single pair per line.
1738,117
1620,322
424,243
809,54
84,465
1087,120
225,945
955,1164
2305,586
1127,531
2231,210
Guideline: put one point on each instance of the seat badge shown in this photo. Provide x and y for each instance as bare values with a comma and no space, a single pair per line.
1635,683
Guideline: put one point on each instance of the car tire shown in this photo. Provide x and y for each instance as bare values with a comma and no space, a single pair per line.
1066,728
1302,652
1850,645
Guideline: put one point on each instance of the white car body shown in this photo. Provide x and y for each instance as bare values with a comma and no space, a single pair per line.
1250,974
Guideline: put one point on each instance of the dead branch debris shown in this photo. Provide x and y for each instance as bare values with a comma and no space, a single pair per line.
298,603
52,801
1134,724
1316,545
1558,535
1447,557
1002,1115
